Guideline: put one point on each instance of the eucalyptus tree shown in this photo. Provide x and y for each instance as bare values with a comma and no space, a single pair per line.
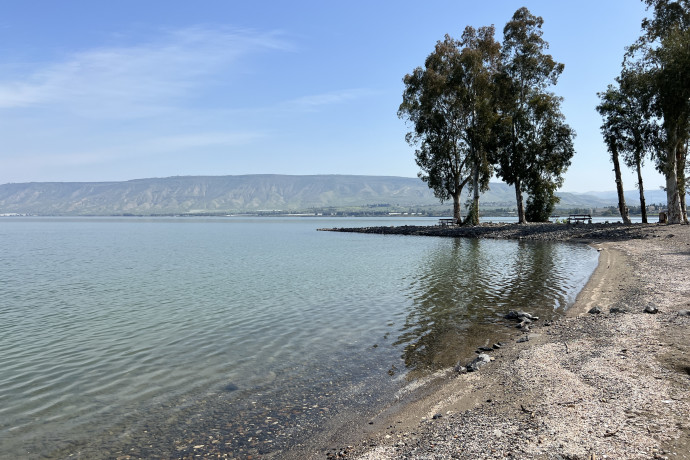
629,129
612,110
535,143
663,55
479,59
432,103
448,104
639,130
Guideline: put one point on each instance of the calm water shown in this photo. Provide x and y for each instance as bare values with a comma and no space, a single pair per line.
171,337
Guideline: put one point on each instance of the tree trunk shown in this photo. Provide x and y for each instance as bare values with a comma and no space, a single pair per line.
520,203
622,208
680,166
643,203
474,214
457,216
673,199
675,215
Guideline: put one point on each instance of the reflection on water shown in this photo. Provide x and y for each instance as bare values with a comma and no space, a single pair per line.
148,337
463,289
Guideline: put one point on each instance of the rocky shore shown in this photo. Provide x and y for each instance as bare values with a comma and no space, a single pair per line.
532,231
609,380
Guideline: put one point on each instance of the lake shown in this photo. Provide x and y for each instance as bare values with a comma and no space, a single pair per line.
165,337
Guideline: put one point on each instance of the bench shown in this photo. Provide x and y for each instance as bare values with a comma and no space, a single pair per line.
577,218
446,222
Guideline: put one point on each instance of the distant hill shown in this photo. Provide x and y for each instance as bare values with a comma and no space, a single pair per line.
237,194
632,197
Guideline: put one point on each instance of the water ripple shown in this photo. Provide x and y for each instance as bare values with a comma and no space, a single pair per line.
106,325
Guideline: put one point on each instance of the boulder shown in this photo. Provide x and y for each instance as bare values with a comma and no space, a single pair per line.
516,315
478,362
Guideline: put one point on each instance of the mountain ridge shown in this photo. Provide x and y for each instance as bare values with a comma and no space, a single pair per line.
245,194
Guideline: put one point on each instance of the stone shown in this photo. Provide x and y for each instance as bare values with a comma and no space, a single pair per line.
497,345
485,349
651,309
512,314
460,369
617,310
524,323
594,311
523,339
684,313
519,316
478,363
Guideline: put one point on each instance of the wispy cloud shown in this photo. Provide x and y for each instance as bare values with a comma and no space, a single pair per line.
139,80
137,148
312,102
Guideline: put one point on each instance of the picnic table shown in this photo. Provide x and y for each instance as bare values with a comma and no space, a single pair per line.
447,222
579,218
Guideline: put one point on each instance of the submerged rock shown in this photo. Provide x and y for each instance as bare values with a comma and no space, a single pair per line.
524,324
519,315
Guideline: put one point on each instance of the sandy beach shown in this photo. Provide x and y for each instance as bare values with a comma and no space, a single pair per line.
614,384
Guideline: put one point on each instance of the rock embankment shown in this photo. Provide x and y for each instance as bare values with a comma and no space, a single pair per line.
532,231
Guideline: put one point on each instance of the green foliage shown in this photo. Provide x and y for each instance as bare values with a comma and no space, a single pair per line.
662,57
541,202
447,104
535,145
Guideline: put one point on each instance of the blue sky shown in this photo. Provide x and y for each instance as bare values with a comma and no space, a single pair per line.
99,91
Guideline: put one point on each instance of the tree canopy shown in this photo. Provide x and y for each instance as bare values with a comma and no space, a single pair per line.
446,103
661,58
477,107
535,146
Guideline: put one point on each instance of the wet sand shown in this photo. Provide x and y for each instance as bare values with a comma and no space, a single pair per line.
587,386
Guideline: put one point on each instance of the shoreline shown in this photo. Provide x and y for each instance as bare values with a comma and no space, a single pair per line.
589,386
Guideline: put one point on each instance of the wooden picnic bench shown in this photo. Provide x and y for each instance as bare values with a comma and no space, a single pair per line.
446,222
577,218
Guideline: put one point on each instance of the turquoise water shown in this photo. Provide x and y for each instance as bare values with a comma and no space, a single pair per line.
148,337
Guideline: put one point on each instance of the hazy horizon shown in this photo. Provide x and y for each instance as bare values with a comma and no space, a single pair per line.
118,91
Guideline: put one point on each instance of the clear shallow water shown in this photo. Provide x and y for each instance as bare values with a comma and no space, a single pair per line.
151,336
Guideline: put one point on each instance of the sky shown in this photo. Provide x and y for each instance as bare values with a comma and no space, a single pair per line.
111,91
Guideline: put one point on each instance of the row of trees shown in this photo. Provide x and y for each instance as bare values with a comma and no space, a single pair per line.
479,107
647,112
